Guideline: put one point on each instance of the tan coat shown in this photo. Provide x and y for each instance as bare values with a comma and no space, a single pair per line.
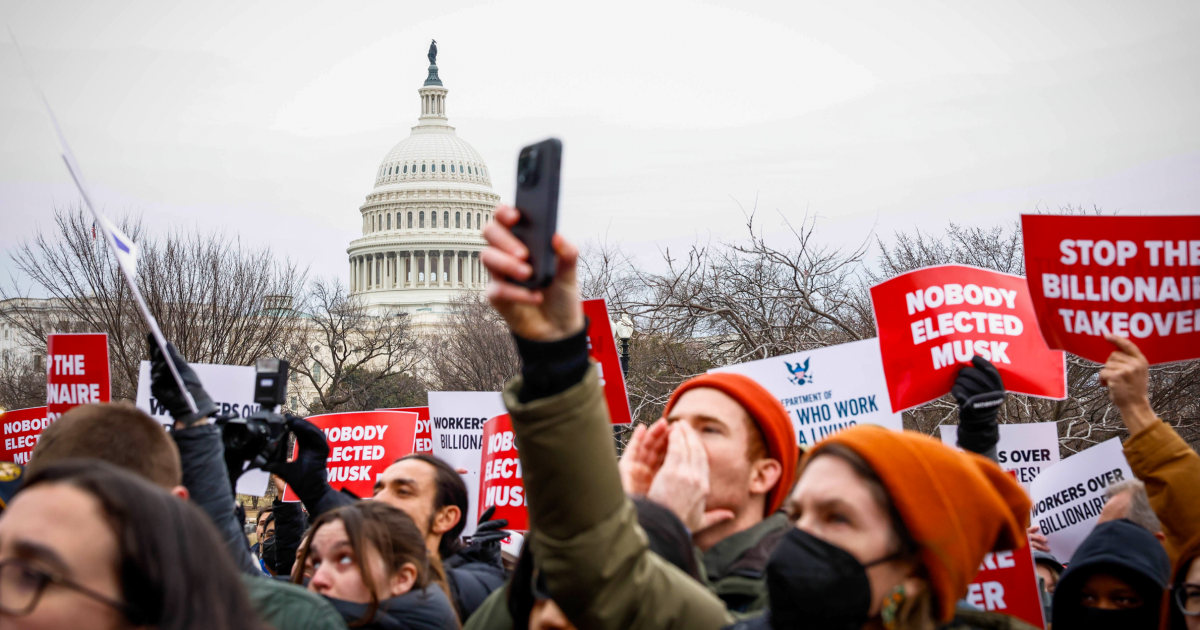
1171,471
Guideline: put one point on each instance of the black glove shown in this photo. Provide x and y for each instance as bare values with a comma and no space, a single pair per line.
485,543
306,475
490,530
166,390
980,394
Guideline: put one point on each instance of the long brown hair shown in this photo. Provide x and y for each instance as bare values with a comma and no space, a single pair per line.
389,531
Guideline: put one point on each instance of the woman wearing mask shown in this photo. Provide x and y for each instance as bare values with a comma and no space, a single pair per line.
86,545
369,560
891,526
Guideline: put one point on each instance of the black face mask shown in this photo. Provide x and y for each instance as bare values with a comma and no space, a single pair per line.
268,552
815,584
1145,616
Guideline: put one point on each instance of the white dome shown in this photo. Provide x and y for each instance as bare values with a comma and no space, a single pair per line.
433,153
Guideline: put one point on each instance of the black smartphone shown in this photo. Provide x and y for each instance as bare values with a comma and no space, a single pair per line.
537,200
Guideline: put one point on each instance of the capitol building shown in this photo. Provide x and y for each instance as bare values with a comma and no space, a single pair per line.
421,241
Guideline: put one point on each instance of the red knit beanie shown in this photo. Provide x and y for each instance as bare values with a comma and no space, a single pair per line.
767,412
956,505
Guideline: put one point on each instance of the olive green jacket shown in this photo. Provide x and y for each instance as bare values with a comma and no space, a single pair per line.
736,566
286,606
589,547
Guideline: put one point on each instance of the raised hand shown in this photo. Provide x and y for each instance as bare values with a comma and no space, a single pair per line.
166,390
681,484
1126,374
547,314
643,457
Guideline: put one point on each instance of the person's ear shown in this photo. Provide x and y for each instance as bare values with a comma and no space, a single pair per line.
445,519
181,492
764,474
403,581
1162,538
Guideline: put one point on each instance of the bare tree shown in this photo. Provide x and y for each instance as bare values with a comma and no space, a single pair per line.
340,347
211,295
657,366
754,300
472,351
22,384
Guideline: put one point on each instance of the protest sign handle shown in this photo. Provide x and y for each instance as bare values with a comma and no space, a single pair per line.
161,341
68,157
129,280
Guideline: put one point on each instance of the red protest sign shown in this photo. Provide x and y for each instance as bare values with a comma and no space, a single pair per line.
1135,277
424,440
22,427
603,350
76,371
501,484
361,445
1007,584
931,321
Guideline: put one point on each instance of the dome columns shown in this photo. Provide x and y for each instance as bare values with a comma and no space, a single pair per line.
416,269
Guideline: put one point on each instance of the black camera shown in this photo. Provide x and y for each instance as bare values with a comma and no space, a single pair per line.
260,438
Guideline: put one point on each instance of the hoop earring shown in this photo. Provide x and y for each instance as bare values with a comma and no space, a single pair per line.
891,607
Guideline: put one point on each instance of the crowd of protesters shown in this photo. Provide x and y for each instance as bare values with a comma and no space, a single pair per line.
712,517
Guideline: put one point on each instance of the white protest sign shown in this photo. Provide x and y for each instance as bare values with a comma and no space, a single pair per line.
1068,497
231,388
1023,449
457,421
827,389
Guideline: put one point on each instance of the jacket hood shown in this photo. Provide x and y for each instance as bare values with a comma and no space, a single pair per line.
1189,552
418,609
1120,548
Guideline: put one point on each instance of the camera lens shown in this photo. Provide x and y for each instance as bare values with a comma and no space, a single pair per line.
527,168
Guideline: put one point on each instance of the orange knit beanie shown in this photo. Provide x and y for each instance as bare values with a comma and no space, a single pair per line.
767,412
956,505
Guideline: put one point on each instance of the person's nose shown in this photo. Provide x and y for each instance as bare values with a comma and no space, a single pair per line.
321,580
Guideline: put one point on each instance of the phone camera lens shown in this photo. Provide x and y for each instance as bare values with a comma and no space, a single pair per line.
527,168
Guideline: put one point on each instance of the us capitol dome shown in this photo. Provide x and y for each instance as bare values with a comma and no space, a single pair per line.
420,243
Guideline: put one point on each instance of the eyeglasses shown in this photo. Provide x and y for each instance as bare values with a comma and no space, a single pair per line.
1187,598
22,585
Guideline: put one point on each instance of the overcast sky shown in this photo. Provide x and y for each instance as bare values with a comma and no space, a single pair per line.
268,120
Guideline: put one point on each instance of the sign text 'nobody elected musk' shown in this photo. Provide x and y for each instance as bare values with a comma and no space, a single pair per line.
1136,277
931,322
22,429
501,484
362,444
827,389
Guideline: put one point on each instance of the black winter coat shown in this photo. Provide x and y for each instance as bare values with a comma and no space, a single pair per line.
418,609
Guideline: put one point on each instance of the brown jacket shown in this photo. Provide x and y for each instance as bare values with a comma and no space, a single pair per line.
1171,471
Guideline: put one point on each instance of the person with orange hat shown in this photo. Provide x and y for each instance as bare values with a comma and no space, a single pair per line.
744,465
890,526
